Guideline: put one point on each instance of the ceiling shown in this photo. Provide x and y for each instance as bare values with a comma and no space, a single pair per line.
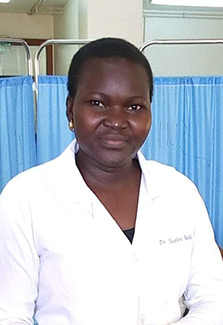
33,6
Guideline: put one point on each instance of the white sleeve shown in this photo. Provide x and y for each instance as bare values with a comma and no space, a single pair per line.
18,258
204,293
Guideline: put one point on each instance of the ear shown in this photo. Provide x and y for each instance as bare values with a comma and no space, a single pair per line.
69,110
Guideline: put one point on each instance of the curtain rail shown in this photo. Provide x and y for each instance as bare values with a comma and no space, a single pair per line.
53,42
180,42
23,43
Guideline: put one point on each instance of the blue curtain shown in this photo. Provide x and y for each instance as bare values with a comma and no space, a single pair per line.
17,127
53,134
187,133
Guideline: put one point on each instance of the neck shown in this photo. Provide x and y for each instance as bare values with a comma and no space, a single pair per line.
105,176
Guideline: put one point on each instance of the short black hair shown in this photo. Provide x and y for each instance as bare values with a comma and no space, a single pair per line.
106,48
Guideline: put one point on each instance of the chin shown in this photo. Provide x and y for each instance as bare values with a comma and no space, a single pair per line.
115,162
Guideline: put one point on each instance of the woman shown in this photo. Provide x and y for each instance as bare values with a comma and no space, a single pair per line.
100,235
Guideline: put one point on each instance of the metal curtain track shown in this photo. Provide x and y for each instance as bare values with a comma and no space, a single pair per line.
14,41
53,42
180,42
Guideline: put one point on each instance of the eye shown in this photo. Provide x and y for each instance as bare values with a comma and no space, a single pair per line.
97,103
134,107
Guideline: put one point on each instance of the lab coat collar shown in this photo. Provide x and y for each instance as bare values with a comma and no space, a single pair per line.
80,193
151,183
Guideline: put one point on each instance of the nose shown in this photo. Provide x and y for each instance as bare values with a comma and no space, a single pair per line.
116,118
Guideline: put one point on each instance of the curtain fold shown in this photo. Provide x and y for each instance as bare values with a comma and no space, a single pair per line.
17,127
187,133
53,134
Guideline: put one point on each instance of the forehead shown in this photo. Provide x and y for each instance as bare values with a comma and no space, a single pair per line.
107,63
97,71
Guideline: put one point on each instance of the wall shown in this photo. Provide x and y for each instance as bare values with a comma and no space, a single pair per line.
82,19
119,18
90,19
22,26
190,59
65,27
26,26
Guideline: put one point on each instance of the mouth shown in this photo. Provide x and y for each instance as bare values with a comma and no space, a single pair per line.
113,141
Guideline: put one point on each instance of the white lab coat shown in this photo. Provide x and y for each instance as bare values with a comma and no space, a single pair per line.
63,255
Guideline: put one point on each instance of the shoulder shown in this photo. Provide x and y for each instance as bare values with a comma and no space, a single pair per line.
175,194
38,177
165,174
168,182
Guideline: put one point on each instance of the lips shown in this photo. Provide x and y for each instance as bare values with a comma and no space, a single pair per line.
113,141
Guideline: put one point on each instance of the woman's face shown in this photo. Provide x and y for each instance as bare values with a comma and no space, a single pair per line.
111,110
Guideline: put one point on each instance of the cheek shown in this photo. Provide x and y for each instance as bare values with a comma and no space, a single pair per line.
148,121
85,122
143,126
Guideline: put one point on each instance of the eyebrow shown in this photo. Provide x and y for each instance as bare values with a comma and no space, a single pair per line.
135,97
